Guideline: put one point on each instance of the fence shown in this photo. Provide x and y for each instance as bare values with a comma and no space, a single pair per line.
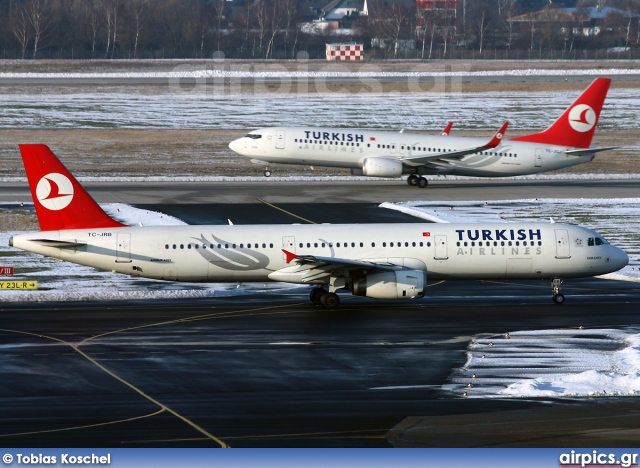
320,53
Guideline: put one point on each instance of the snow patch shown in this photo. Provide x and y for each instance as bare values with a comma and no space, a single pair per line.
551,363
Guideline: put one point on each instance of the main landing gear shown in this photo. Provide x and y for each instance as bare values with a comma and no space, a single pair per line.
415,181
328,300
558,297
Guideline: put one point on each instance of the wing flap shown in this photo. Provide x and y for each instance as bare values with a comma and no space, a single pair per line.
313,267
318,269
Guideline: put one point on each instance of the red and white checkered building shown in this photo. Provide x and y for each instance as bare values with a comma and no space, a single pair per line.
347,52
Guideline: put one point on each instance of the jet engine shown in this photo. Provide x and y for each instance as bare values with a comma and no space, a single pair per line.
382,167
402,284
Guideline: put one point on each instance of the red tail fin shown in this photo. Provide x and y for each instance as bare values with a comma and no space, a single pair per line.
576,126
61,202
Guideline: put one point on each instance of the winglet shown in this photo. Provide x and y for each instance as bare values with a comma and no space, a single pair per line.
497,138
290,255
447,129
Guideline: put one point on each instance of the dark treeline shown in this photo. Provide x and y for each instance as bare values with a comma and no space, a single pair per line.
272,28
149,28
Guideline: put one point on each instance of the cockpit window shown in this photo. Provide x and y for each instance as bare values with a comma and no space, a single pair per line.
253,136
601,241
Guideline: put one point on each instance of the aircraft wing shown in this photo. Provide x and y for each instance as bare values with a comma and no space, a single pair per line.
587,151
314,267
426,158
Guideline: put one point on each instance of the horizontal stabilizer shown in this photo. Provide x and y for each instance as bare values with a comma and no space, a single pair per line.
70,244
585,152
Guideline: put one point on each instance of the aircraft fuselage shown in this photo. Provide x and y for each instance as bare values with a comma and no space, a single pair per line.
247,253
348,148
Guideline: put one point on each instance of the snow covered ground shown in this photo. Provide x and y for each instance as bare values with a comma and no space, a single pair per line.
323,178
277,71
122,107
550,363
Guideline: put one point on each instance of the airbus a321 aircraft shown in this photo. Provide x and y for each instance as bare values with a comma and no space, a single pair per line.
381,261
390,154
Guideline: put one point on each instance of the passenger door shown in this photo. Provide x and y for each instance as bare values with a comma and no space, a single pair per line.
562,244
538,160
123,248
441,248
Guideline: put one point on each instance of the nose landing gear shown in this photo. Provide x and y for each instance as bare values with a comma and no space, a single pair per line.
558,297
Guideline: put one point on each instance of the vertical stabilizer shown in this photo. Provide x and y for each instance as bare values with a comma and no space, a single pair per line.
578,123
60,201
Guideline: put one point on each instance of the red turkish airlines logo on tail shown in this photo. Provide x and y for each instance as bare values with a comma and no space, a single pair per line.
54,191
582,118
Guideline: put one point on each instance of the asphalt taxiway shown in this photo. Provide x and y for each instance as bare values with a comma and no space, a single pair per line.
271,370
340,191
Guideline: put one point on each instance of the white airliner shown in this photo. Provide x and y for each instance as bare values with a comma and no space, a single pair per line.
381,261
390,154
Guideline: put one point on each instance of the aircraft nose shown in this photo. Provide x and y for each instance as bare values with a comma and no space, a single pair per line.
619,259
235,145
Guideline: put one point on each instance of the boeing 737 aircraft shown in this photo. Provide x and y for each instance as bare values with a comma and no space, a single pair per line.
380,261
386,154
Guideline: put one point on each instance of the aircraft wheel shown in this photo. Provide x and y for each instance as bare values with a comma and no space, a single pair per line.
412,179
330,300
267,173
422,182
316,295
558,298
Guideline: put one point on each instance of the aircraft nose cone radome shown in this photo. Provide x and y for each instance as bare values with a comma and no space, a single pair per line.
620,259
233,146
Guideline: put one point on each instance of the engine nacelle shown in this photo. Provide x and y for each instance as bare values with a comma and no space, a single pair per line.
402,284
382,167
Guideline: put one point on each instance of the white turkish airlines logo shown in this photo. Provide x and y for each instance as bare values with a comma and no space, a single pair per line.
54,191
582,118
